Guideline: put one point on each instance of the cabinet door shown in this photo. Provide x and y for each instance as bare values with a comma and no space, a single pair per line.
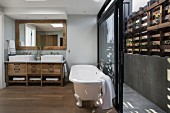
51,66
51,71
34,66
17,72
16,66
34,71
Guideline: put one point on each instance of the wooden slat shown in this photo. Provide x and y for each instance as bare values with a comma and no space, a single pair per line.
155,4
165,47
164,25
153,28
17,81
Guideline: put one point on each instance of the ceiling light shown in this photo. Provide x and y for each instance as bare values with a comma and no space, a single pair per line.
57,25
35,0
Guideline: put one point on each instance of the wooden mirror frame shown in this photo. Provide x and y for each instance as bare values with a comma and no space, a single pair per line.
18,47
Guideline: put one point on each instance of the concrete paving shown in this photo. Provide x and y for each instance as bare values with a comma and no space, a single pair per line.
136,103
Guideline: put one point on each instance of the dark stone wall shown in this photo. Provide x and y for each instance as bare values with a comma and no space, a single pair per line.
148,76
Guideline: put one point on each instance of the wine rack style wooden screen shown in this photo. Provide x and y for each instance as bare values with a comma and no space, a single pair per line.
148,30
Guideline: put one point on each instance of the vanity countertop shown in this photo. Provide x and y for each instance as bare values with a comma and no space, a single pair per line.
35,61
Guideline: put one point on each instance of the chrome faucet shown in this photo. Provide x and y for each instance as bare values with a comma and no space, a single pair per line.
57,53
54,53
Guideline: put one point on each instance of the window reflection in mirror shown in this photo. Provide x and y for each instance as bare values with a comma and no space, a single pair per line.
40,34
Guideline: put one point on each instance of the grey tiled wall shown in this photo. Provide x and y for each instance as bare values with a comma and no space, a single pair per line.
44,52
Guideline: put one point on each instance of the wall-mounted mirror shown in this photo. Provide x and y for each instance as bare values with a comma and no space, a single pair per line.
44,34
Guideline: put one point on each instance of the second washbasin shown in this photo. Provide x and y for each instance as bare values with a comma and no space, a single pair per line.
52,58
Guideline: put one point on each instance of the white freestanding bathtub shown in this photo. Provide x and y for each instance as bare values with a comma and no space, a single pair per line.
86,83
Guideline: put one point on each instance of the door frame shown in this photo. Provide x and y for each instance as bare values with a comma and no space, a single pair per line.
117,8
2,66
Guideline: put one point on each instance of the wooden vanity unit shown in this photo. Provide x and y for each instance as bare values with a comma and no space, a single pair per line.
30,73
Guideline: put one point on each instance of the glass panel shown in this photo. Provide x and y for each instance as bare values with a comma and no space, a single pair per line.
106,46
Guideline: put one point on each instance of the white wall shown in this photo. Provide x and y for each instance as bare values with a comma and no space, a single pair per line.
138,3
9,33
9,29
81,39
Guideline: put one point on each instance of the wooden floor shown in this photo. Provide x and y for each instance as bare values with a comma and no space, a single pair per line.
48,99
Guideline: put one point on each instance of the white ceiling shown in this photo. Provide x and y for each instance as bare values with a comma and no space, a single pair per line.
51,9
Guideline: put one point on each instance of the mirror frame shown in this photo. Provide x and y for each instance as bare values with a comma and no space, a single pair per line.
18,47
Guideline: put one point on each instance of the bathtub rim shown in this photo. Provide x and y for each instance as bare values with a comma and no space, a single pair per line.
85,82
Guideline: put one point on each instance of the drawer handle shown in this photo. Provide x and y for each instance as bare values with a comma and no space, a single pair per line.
17,69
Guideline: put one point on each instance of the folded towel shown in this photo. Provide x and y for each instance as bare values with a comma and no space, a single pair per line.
34,78
108,92
65,71
11,47
15,78
52,79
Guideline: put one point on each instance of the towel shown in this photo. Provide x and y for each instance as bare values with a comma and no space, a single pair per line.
108,92
52,79
35,79
15,78
11,47
65,71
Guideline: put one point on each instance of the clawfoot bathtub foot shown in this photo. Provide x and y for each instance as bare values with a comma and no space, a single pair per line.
79,103
96,103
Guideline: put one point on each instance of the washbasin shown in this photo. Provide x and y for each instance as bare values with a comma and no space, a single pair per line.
22,58
52,58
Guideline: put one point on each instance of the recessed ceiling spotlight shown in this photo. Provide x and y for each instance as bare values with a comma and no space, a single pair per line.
35,0
57,25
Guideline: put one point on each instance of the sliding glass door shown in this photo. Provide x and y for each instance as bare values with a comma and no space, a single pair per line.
106,46
110,46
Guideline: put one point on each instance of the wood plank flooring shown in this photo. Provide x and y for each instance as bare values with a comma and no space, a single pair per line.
48,99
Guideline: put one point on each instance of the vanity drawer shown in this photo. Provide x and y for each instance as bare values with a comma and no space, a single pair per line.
16,66
34,66
51,71
17,72
34,71
54,66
